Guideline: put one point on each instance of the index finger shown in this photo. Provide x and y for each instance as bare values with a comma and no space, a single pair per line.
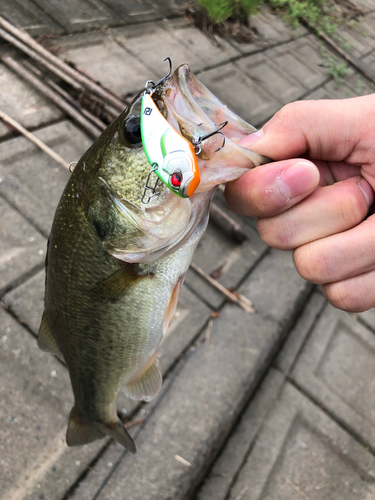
330,130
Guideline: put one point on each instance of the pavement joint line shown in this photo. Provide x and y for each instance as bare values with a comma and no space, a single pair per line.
35,226
21,279
123,46
365,325
308,334
346,428
248,54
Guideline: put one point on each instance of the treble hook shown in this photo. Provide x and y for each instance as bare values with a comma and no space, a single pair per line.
150,188
151,85
198,141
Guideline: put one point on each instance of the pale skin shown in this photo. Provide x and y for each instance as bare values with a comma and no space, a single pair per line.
316,197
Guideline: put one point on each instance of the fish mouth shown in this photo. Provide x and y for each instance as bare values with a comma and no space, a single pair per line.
195,112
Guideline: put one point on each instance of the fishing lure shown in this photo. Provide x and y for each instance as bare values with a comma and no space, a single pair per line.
172,157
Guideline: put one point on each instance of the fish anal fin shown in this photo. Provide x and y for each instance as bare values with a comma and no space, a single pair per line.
171,308
147,384
114,287
46,340
81,432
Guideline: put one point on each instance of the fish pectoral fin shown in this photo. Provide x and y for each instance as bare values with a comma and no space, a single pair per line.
114,287
147,384
83,432
46,340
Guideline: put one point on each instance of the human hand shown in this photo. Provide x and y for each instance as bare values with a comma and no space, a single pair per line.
316,205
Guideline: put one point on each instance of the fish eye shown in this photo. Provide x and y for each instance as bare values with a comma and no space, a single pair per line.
133,130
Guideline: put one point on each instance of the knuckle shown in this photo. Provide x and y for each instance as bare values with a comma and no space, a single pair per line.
289,111
311,263
352,209
278,232
343,295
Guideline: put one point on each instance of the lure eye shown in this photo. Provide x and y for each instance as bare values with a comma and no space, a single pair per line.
176,180
133,130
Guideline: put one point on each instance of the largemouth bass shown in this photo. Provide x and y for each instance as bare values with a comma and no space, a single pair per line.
119,249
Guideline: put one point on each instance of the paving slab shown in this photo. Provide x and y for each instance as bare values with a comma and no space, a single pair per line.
31,18
150,44
78,15
270,29
290,350
234,454
22,248
263,71
197,43
295,58
35,182
27,301
359,37
224,259
197,412
240,93
36,398
301,453
276,272
23,103
133,11
105,60
336,367
222,475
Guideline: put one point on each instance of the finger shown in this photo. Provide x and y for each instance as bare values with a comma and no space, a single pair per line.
356,294
273,188
332,130
338,257
327,211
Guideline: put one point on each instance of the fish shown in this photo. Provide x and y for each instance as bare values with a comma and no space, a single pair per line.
120,245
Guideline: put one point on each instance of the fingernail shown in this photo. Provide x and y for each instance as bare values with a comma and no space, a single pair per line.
250,139
297,180
367,192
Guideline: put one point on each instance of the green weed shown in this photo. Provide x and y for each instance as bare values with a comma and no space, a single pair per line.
220,10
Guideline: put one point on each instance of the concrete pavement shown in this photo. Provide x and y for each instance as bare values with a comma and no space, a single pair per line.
275,405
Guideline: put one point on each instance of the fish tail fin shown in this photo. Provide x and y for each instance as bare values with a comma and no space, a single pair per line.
83,432
80,431
118,432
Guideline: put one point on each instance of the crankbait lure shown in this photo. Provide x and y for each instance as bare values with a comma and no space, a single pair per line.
172,157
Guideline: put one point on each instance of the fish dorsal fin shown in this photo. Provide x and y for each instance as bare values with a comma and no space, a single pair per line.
114,287
46,340
147,384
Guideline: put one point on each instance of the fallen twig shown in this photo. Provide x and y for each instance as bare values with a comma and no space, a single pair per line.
52,95
298,490
7,119
238,298
94,87
227,224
